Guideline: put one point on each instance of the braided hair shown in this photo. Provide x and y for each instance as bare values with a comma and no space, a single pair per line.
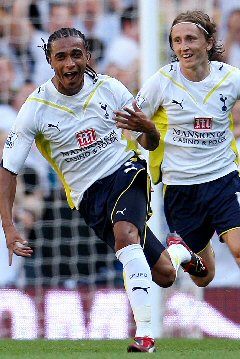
67,32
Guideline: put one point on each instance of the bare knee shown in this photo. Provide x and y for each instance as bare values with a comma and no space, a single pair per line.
125,233
166,279
235,250
231,238
163,272
203,282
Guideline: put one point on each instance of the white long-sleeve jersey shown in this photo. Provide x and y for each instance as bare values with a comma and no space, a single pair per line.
76,134
194,118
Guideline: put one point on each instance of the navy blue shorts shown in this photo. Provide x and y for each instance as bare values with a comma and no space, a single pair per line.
195,212
122,196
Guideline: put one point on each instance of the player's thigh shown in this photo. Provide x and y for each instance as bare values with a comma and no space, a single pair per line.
232,239
224,207
188,219
128,208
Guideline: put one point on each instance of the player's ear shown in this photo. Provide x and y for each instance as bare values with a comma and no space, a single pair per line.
88,56
50,62
210,44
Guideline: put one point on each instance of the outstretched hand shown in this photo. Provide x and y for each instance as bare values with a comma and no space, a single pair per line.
134,120
16,244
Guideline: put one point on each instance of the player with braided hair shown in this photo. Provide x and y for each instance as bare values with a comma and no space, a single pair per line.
67,32
75,119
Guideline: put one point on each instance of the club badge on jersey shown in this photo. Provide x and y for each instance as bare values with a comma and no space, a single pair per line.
11,139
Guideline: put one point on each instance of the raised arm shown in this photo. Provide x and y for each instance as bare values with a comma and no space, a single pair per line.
136,120
14,241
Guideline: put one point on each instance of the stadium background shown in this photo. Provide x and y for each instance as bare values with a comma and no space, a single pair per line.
72,286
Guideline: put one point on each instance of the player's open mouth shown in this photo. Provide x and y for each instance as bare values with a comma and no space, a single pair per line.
187,56
71,75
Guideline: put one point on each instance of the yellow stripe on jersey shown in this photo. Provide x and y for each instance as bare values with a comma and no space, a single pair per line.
52,105
234,143
65,108
176,83
218,85
160,119
124,279
164,189
44,147
92,94
131,143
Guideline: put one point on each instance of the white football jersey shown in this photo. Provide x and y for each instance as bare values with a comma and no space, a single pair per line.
194,118
76,134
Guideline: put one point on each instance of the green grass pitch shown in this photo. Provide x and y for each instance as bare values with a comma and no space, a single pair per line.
115,349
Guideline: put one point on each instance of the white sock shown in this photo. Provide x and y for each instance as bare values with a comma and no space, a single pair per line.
178,254
138,285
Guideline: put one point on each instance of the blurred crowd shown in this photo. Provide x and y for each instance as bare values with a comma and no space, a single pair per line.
112,30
